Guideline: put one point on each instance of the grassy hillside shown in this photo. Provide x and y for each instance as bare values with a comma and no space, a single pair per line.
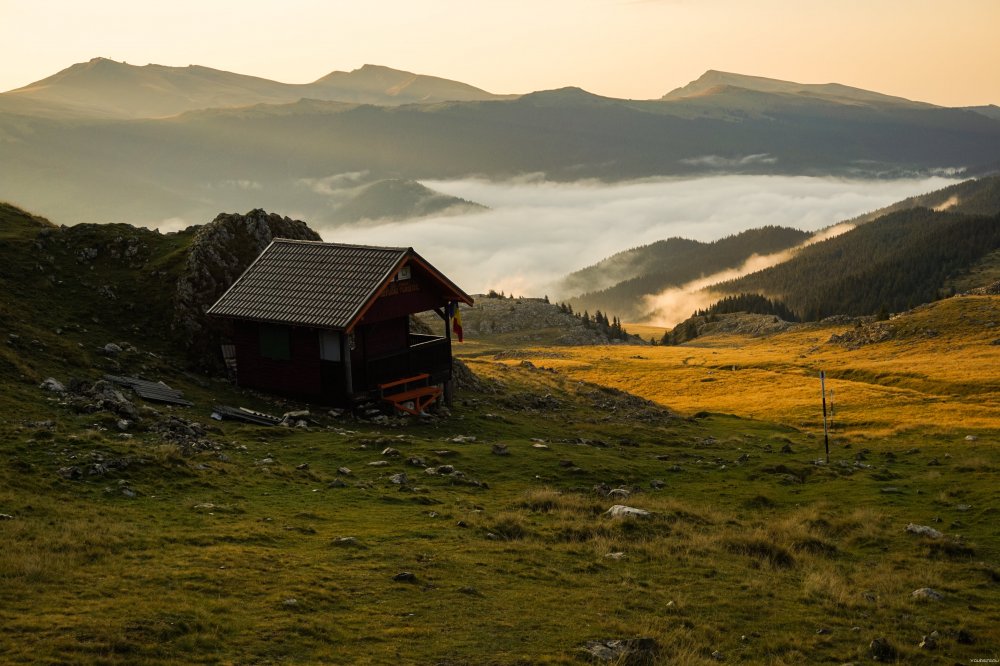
134,532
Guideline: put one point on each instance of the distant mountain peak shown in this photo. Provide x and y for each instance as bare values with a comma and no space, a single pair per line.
716,81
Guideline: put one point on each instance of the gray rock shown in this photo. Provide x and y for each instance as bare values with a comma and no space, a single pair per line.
923,530
346,542
500,450
346,471
52,384
111,349
336,483
625,651
445,469
881,650
399,479
378,463
622,511
290,602
6,516
657,484
405,577
390,452
302,467
927,593
72,473
619,493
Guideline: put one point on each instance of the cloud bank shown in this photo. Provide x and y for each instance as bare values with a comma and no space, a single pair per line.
536,232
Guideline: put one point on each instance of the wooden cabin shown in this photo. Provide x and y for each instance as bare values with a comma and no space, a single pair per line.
330,323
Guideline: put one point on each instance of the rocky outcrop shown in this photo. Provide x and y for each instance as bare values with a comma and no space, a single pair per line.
219,254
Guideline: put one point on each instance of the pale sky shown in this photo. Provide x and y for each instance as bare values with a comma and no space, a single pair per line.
946,52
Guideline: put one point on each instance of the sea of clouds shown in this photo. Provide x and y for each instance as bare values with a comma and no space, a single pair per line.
538,231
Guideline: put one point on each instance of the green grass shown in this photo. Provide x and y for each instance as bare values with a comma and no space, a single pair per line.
732,548
200,560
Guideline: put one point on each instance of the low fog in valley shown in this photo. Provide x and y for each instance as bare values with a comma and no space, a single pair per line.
536,232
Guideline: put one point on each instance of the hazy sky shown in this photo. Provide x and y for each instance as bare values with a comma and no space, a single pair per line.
945,52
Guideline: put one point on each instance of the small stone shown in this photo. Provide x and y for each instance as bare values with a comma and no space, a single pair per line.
462,439
971,438
289,603
111,349
743,458
6,516
345,542
336,483
399,479
923,530
52,384
718,656
461,523
500,450
390,452
302,467
539,445
928,643
927,593
890,490
378,463
445,469
882,650
619,493
416,462
787,448
822,631
963,507
656,484
128,492
405,577
615,556
346,471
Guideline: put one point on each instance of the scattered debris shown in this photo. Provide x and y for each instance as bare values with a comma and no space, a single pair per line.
154,391
245,415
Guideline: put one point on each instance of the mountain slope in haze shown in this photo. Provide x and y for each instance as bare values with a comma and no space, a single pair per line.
979,196
191,165
106,88
649,269
891,264
396,199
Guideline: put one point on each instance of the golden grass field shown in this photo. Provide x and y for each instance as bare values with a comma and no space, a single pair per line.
939,373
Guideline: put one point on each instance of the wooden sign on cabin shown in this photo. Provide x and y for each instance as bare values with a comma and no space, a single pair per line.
330,323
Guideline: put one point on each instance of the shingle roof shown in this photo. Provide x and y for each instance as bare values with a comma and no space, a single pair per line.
309,283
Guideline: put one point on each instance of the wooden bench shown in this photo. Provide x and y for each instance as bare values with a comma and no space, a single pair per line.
421,396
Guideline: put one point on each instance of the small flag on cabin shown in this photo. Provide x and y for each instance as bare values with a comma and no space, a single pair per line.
456,319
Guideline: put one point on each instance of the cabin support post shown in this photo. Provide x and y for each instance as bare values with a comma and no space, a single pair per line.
449,389
345,353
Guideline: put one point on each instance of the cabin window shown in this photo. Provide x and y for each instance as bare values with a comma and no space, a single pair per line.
275,343
329,346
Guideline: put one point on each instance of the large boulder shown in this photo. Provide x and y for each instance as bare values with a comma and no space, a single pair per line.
220,252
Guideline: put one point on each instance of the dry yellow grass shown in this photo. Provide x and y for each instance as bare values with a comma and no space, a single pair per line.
941,373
